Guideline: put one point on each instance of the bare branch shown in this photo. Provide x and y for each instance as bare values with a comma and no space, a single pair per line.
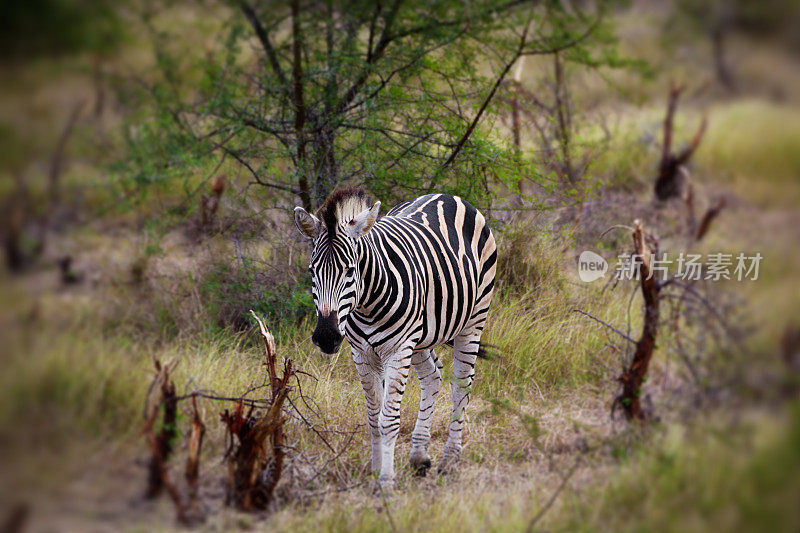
263,37
671,181
645,248
684,156
255,175
606,324
672,104
554,496
57,160
708,218
468,132
193,459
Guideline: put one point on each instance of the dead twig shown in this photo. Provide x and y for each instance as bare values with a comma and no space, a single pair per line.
57,159
606,324
209,203
162,398
645,247
255,431
554,496
385,502
709,217
193,460
252,473
671,182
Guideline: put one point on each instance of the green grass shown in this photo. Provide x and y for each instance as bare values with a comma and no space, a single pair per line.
753,145
540,344
688,478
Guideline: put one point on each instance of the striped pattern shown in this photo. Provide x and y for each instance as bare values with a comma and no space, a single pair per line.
419,277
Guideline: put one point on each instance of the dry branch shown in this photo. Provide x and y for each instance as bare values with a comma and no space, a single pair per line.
790,347
688,200
161,397
253,473
553,497
209,203
671,182
708,218
255,429
57,158
25,213
645,248
192,474
606,324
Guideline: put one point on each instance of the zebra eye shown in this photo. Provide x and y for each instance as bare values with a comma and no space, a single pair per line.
351,271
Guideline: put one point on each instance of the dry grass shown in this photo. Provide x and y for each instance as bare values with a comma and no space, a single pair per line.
544,398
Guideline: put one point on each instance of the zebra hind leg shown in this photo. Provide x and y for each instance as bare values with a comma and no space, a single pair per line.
428,368
465,352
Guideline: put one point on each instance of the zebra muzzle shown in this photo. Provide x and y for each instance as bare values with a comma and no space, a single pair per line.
326,335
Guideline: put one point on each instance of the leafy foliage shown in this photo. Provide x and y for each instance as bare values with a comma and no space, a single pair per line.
231,293
390,96
35,27
559,122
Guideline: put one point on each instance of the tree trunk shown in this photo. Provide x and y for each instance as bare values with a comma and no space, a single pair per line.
299,107
325,167
325,164
562,115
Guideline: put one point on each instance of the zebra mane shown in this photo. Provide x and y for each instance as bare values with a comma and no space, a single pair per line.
342,206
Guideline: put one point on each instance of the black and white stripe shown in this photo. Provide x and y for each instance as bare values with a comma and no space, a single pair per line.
396,288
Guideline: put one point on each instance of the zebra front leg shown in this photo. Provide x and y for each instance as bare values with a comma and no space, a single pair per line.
427,366
465,352
395,374
372,383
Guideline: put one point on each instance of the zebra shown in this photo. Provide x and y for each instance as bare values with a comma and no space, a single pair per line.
397,287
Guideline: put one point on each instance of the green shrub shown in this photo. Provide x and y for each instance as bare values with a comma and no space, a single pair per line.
230,292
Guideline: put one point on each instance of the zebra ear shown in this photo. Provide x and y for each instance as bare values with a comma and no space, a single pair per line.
362,221
306,223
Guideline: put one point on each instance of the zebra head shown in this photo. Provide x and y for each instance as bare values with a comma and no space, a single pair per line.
336,280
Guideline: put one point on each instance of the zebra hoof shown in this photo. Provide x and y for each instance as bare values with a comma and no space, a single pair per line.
385,486
448,464
420,463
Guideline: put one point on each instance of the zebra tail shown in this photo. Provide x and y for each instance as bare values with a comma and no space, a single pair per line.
485,351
